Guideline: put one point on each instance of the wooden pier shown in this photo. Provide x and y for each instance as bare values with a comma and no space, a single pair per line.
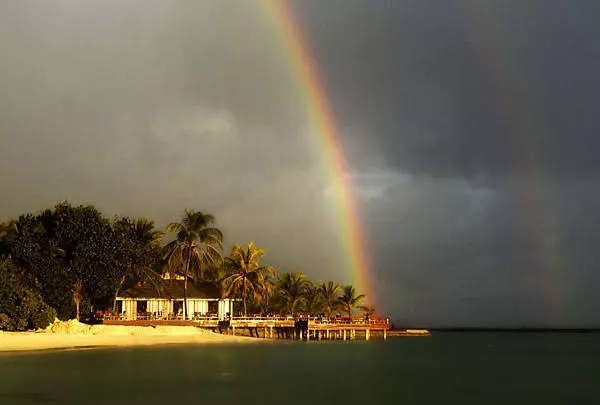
312,328
272,327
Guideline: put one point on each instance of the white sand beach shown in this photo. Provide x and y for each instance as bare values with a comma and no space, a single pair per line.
73,334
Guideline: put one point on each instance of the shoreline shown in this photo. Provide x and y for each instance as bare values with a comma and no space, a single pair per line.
72,335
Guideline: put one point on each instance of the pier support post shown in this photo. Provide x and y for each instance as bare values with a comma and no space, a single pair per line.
327,334
308,335
271,332
344,334
385,334
233,330
368,334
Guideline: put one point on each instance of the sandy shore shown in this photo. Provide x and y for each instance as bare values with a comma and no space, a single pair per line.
72,334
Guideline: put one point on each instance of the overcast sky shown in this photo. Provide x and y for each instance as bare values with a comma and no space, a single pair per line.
471,129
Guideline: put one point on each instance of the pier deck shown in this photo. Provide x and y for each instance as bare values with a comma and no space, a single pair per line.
271,327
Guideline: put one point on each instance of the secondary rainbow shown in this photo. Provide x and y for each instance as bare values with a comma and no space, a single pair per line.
522,124
327,133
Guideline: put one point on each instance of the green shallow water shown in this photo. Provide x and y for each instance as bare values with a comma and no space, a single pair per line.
466,368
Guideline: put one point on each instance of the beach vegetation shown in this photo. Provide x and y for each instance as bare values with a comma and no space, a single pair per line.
330,296
292,293
69,261
245,277
197,246
21,306
350,300
141,245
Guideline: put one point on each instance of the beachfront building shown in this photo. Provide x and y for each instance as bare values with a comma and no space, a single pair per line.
203,300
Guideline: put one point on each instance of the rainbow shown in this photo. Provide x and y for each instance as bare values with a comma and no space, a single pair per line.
326,131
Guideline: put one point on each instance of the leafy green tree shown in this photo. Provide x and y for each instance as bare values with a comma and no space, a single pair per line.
4,231
30,244
92,252
60,247
65,245
21,307
197,244
141,247
246,278
350,300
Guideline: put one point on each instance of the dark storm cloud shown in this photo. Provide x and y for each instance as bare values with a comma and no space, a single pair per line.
462,87
474,127
450,252
471,130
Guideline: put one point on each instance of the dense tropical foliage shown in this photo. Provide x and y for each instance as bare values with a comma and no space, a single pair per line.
245,277
69,261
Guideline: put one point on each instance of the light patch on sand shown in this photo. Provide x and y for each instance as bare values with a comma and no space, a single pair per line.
72,334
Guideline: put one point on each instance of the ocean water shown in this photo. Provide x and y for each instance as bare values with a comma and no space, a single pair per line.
465,368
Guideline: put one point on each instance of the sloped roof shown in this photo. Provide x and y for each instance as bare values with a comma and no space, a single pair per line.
195,290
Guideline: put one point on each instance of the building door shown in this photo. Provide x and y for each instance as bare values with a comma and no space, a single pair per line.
178,307
213,307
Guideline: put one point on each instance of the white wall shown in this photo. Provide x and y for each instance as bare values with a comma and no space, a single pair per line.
225,307
129,307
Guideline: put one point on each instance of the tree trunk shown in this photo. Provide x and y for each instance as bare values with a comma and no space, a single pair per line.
77,296
244,294
116,294
187,269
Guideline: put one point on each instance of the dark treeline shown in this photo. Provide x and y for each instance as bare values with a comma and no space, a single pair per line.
71,260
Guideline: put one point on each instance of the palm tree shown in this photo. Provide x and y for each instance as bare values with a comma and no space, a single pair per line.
330,295
313,302
197,243
268,291
145,244
247,278
292,290
349,301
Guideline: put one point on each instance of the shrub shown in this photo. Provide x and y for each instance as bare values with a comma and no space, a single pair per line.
21,308
43,317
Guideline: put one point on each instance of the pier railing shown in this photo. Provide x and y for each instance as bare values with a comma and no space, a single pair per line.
157,317
210,320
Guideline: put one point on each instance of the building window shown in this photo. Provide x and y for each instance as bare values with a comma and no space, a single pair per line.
213,307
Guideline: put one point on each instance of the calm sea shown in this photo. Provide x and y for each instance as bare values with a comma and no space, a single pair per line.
455,368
